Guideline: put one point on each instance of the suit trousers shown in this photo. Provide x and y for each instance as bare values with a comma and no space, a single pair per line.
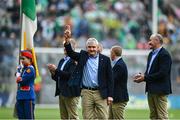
158,106
68,107
93,106
116,110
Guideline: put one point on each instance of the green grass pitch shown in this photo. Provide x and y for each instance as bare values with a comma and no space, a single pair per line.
53,113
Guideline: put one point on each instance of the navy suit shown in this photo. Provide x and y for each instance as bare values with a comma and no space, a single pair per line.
158,79
68,95
105,80
62,76
120,76
158,83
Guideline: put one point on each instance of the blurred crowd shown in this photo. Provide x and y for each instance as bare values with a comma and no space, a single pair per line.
124,22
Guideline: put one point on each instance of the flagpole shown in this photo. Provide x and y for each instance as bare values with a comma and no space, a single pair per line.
20,31
20,20
35,62
28,28
155,16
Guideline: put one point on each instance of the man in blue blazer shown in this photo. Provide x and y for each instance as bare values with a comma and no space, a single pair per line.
157,78
68,96
94,74
120,77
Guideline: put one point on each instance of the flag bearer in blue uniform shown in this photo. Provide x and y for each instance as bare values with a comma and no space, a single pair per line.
25,77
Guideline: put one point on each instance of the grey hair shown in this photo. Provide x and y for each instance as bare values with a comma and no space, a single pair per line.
158,36
90,40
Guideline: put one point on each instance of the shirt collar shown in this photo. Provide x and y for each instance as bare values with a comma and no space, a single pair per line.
156,50
114,61
66,58
95,56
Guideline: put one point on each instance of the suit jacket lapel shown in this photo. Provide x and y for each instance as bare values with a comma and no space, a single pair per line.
100,63
149,59
117,62
156,57
67,64
150,56
60,63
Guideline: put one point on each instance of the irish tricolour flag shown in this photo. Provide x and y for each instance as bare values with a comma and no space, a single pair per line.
29,23
28,27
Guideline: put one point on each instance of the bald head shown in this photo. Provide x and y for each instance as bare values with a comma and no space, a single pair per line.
155,41
157,37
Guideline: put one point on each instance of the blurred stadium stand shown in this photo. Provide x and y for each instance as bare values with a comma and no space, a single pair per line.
113,22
